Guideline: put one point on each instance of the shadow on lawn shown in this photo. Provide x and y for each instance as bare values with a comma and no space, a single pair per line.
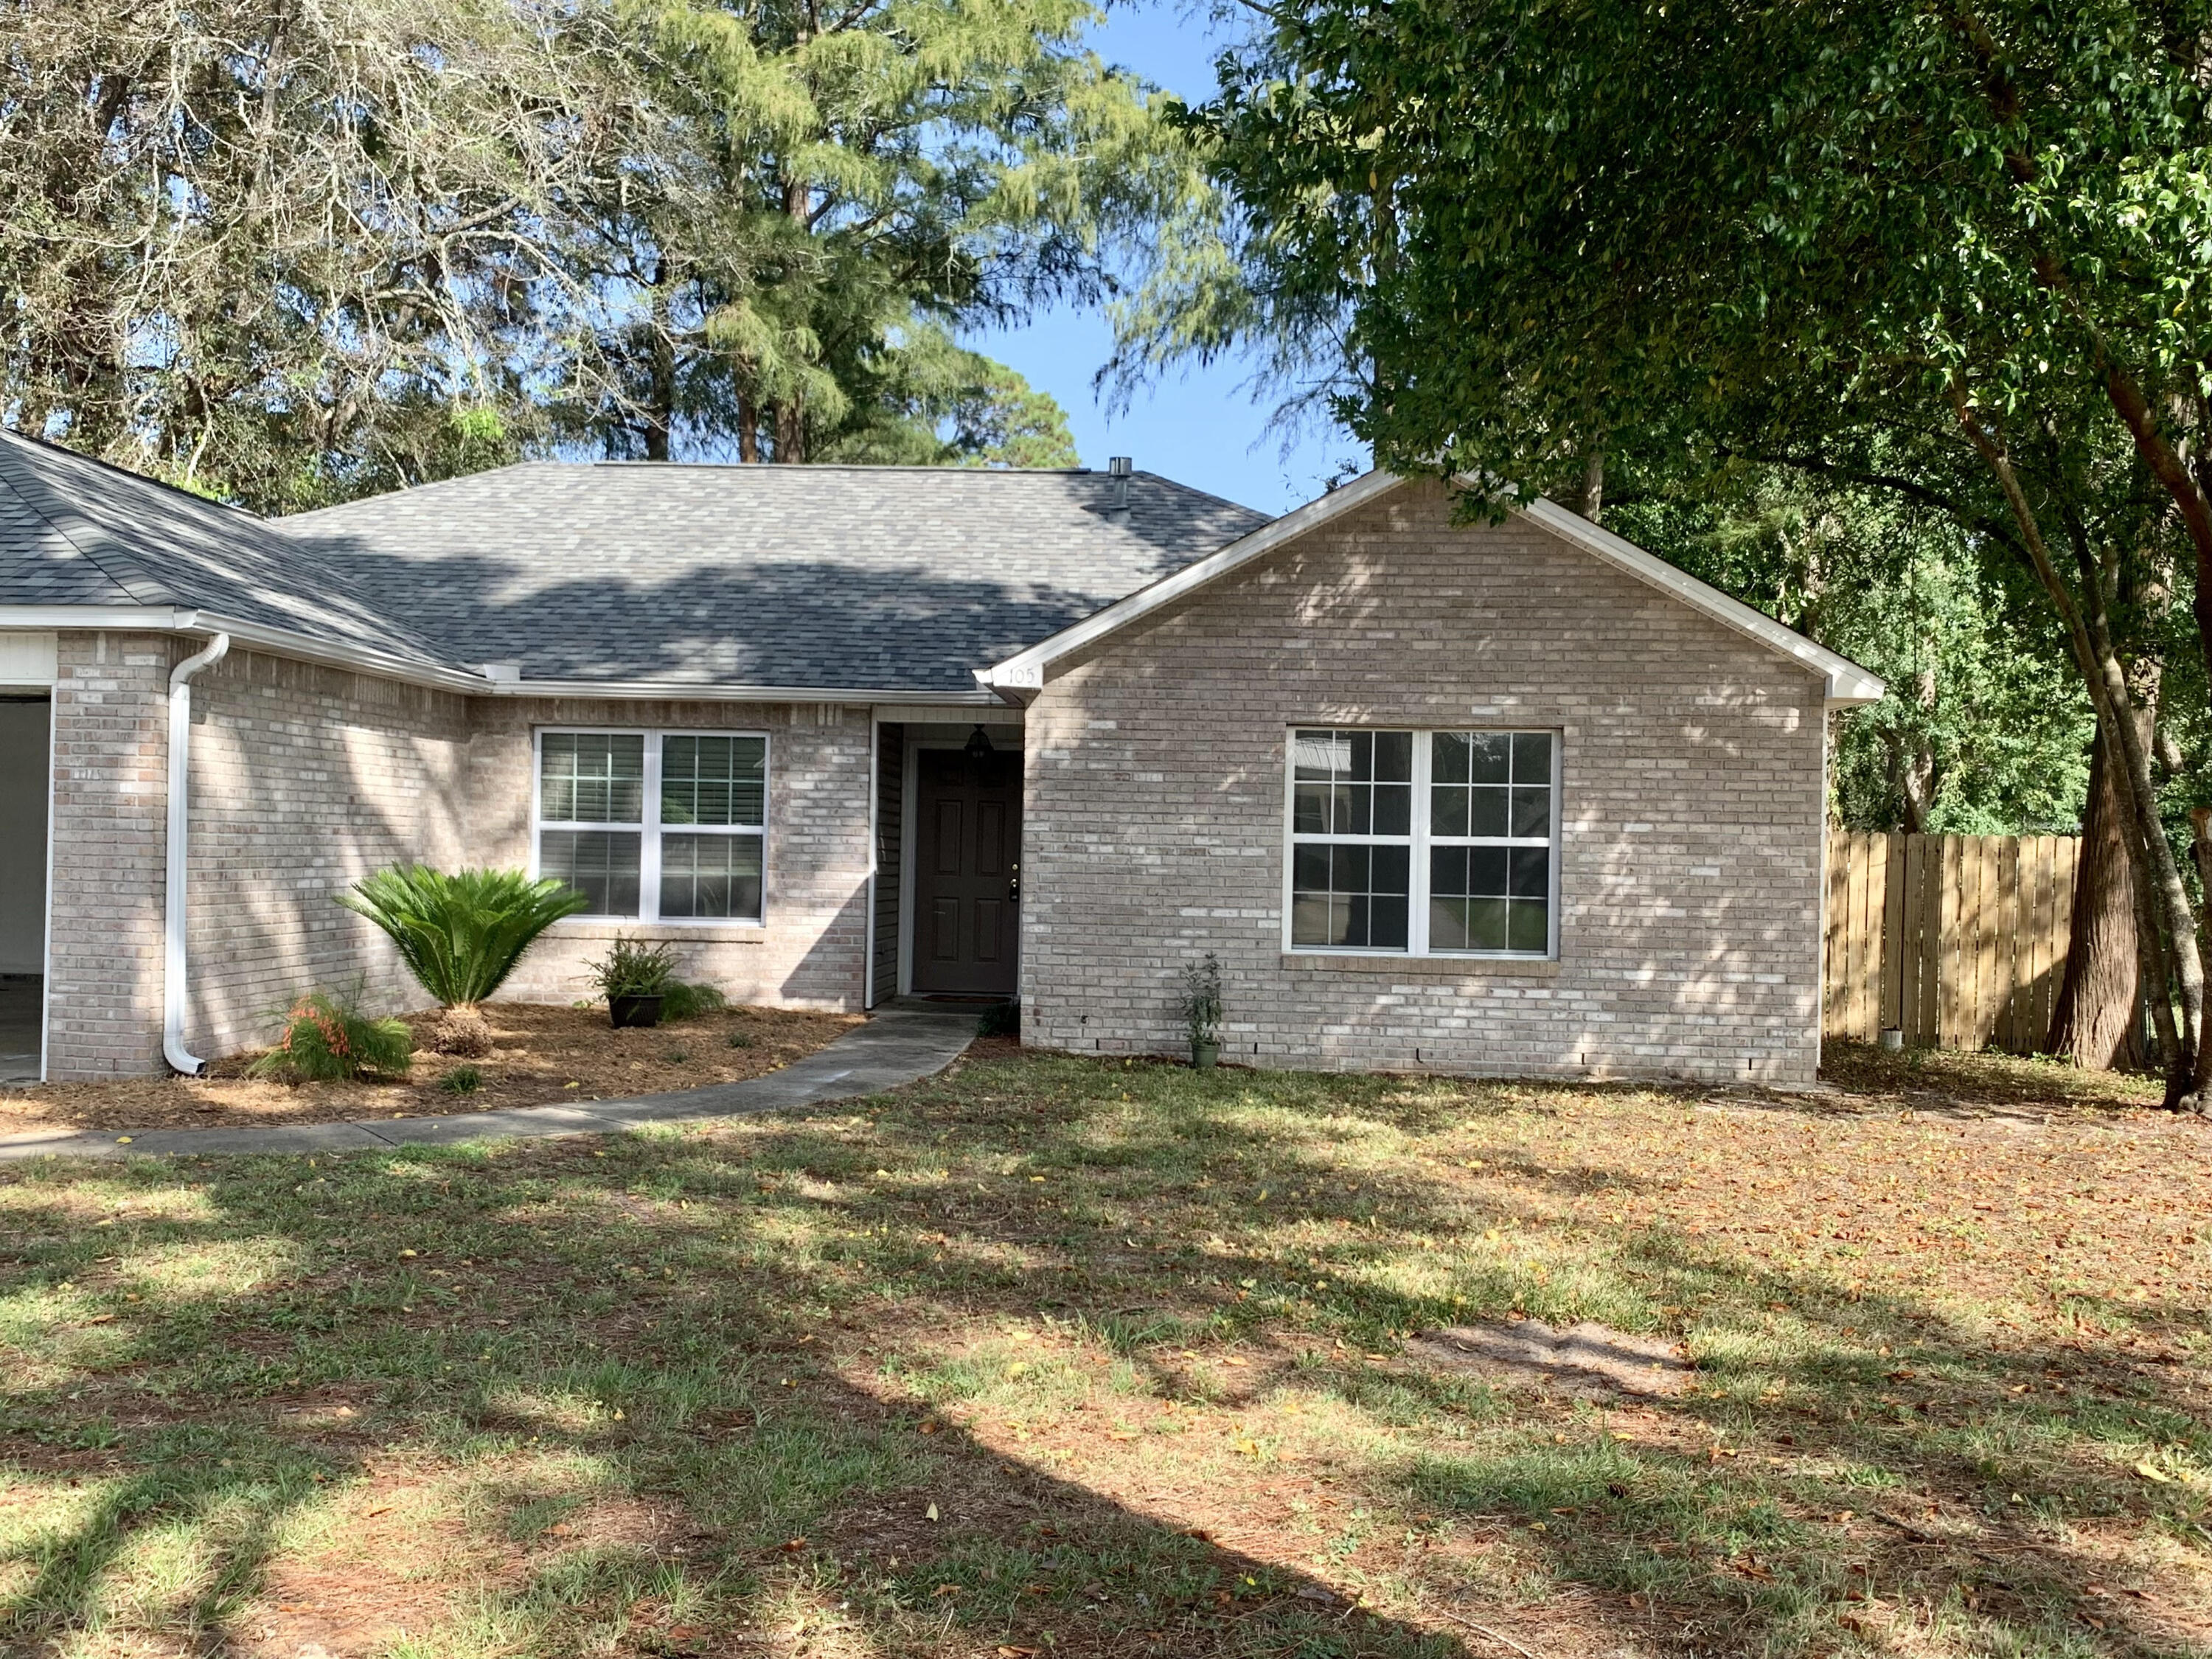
684,1372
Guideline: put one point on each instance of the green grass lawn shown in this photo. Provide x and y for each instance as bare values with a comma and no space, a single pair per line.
1059,1357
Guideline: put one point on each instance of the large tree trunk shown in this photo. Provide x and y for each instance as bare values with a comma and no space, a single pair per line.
2094,1022
1591,502
790,429
2167,921
660,392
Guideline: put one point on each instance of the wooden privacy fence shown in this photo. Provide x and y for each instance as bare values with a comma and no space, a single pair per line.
1958,940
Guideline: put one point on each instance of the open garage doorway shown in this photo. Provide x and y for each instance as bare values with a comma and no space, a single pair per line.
26,764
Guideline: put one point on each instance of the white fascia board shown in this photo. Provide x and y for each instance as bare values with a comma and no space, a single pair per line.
1009,696
365,659
171,619
1025,672
1849,686
1020,679
684,691
113,618
167,619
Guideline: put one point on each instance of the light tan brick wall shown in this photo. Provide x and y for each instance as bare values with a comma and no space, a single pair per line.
304,779
111,806
811,951
1692,813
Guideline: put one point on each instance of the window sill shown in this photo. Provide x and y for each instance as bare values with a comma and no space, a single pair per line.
605,927
1317,962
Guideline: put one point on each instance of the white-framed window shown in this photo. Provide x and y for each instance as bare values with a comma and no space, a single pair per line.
1422,842
662,826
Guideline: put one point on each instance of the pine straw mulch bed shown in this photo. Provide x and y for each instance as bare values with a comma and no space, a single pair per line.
541,1055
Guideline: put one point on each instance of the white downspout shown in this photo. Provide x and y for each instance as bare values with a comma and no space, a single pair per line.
180,772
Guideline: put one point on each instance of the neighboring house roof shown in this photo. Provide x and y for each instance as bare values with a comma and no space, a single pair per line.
900,579
1023,673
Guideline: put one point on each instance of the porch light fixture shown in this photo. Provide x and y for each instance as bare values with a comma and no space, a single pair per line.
979,746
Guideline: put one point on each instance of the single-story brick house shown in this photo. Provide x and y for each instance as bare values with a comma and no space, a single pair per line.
1513,798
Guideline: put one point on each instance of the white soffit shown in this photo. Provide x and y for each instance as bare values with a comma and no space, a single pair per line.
1022,675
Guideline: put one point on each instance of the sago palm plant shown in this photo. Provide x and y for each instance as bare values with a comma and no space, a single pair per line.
461,935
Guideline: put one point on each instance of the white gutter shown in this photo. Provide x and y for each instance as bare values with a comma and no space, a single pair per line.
468,683
180,769
689,691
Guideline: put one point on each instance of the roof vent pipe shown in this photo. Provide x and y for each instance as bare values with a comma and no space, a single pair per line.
1118,468
180,771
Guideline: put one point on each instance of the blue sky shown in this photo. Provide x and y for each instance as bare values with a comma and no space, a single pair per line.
1199,428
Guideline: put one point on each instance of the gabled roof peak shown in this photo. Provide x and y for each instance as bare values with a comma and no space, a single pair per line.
1024,674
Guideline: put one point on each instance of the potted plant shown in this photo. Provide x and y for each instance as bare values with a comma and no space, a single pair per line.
1201,1009
634,977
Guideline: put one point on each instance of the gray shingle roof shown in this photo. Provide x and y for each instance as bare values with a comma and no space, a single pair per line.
829,577
883,578
74,530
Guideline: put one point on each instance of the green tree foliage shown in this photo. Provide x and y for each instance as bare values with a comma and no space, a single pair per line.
936,404
289,253
1984,729
282,252
834,186
1951,254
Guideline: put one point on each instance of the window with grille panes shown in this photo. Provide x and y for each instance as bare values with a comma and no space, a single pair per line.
662,826
1423,842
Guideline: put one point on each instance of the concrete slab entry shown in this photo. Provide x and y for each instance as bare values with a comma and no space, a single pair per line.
115,1143
521,1121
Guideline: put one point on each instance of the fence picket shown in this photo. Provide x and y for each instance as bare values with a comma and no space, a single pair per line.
1892,849
1855,904
2009,983
1925,941
1959,940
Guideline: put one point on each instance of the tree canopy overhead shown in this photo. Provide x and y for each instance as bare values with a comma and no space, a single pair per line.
291,252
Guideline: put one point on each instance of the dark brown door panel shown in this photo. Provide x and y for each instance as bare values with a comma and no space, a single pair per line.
966,902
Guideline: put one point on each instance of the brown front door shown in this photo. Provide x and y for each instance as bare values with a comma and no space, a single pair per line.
968,842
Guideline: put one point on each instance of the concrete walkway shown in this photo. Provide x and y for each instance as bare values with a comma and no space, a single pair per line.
902,1043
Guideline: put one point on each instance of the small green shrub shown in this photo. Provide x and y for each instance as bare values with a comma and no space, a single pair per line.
677,1056
1201,999
741,1039
632,968
462,1080
460,935
683,1001
1003,1020
327,1039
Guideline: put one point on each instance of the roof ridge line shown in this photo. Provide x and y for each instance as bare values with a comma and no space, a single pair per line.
281,522
1207,494
93,545
770,467
138,477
